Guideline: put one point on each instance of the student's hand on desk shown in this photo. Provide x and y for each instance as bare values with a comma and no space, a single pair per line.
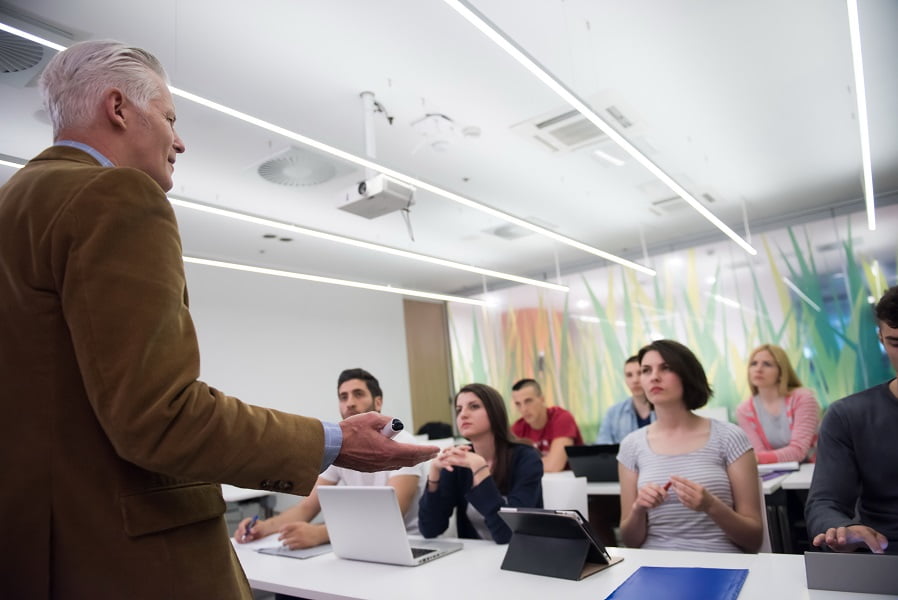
259,530
302,535
692,495
365,449
849,539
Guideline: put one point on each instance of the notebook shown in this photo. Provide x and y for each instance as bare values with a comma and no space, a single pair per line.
365,523
681,583
597,462
858,572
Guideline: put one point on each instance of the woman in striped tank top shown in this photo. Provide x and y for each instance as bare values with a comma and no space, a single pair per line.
687,482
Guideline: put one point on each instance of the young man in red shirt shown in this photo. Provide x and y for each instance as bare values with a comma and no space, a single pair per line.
550,428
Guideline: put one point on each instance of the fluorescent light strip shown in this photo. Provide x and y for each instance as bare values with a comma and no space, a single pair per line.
361,244
367,164
861,93
486,27
14,165
800,294
33,38
331,280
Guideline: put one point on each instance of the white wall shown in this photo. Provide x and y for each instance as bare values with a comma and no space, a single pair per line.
281,343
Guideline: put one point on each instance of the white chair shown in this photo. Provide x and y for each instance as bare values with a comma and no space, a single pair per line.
714,412
565,493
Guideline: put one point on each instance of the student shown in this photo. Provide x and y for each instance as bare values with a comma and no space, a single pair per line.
687,482
781,417
112,437
358,392
853,500
476,480
629,415
550,428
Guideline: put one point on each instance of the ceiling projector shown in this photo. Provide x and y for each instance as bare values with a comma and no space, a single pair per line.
377,196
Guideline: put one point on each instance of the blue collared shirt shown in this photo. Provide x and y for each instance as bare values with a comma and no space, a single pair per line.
618,422
333,435
90,150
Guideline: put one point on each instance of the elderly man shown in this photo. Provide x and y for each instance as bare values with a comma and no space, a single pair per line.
109,435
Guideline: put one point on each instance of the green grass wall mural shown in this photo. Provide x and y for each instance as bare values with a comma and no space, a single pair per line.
814,299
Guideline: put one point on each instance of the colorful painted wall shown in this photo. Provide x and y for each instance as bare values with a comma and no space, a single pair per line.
809,290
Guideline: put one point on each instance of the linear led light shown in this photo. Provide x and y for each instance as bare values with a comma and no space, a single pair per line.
331,237
368,164
30,37
331,280
14,165
486,27
608,158
800,294
861,93
412,181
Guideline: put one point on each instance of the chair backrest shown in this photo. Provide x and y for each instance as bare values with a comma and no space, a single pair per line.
714,412
565,493
765,543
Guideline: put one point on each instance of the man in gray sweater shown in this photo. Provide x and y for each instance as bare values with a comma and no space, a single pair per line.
853,500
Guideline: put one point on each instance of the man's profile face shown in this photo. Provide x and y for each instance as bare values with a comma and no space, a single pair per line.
155,142
889,338
355,398
529,404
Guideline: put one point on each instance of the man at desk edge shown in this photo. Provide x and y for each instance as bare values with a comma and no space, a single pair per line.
853,500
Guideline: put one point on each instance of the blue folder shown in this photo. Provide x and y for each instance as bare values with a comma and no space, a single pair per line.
681,583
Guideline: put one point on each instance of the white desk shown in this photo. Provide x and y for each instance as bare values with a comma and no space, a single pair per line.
232,493
474,573
800,479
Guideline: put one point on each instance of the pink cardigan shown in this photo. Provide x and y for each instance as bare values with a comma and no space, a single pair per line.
803,413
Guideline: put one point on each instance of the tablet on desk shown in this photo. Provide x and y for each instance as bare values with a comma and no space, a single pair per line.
554,543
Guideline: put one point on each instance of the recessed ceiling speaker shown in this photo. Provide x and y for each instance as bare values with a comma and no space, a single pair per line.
297,167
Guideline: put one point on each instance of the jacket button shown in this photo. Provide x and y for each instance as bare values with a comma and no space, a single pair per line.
265,484
284,486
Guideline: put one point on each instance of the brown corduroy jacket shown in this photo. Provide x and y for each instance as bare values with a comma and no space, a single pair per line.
108,434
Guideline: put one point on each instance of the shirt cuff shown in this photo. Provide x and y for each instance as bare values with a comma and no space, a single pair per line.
333,442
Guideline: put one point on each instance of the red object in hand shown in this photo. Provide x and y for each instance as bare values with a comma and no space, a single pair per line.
667,485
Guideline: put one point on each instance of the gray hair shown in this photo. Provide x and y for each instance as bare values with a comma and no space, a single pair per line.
74,80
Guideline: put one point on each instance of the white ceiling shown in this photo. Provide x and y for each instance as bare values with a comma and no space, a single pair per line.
750,102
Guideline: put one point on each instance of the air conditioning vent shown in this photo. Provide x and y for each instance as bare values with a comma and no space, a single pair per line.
566,130
21,60
298,167
668,206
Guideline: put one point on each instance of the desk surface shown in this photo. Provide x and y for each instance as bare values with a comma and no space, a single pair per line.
232,493
474,573
800,479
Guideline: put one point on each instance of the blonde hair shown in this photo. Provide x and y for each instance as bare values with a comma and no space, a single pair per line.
787,381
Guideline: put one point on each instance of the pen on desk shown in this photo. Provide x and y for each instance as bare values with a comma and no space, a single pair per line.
250,526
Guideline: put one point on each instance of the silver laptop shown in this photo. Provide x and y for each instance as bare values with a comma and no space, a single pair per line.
852,572
365,523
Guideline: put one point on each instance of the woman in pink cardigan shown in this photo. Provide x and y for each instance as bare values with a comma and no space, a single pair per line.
781,417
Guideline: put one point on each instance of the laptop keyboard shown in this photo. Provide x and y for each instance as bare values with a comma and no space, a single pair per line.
419,552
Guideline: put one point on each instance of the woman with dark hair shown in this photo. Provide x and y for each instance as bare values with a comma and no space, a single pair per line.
476,480
781,417
687,482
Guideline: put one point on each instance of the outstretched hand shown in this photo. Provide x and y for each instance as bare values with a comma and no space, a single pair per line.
366,449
